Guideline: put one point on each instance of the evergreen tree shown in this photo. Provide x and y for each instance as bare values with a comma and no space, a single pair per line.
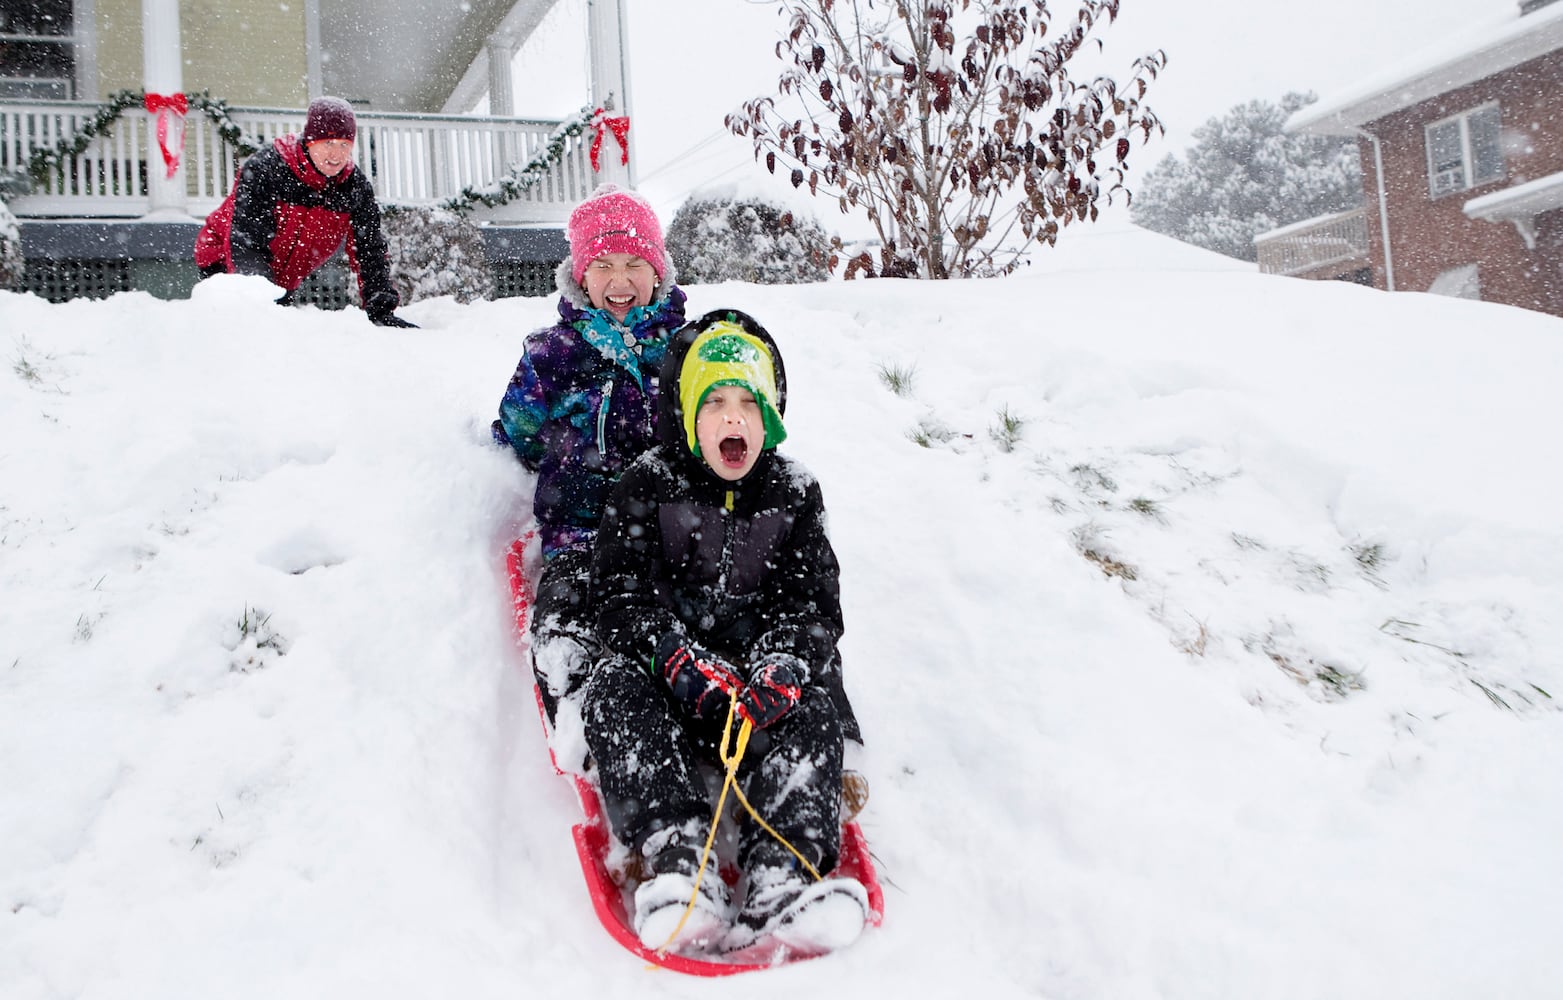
1243,177
723,237
436,252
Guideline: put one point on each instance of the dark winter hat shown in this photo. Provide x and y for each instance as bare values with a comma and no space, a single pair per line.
329,118
727,354
613,220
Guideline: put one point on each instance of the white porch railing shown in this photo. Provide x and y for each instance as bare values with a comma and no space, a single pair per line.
1315,244
411,160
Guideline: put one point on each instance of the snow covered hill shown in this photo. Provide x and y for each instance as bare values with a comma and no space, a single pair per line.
1203,626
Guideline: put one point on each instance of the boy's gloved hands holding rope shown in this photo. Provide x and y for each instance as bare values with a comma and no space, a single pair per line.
704,683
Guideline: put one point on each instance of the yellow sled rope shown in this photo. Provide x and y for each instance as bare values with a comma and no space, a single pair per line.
731,755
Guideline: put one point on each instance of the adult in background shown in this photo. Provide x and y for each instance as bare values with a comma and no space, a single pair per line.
294,204
582,406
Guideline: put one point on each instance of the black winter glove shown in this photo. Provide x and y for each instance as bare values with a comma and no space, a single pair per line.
771,692
700,681
381,307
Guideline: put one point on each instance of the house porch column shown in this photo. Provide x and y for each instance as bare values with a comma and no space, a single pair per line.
610,74
501,88
502,98
162,73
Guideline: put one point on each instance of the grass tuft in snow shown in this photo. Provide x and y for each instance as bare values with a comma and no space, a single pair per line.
898,378
1109,565
1309,575
256,643
85,625
1195,644
1089,479
1491,691
1401,629
1332,682
28,364
1146,507
1006,433
1369,555
1091,542
26,370
1370,558
1492,695
929,432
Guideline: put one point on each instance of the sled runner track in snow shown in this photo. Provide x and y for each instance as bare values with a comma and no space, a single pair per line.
594,842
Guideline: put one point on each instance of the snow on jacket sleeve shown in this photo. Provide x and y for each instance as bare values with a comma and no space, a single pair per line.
254,212
626,565
368,253
803,615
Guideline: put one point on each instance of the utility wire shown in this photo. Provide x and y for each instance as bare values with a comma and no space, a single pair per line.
679,158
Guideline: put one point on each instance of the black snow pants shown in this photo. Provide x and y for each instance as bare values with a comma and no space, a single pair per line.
561,607
648,755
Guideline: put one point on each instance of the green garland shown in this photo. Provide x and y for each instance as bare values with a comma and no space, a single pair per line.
227,129
522,179
43,162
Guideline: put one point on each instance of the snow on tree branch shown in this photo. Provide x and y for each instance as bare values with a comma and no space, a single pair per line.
1244,176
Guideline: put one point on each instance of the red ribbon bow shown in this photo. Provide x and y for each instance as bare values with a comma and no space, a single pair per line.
164,105
620,127
160,102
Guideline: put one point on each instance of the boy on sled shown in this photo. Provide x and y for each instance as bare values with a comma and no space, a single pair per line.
717,604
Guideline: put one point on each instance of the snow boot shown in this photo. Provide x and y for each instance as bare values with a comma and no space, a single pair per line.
662,899
789,908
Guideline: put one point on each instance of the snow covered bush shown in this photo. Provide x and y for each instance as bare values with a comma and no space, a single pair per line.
721,236
10,250
436,252
1244,176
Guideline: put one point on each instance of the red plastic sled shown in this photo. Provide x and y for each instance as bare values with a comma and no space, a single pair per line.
594,841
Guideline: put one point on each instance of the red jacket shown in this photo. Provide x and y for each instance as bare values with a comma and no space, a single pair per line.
284,218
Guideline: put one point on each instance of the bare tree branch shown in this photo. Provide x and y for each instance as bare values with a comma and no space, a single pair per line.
954,124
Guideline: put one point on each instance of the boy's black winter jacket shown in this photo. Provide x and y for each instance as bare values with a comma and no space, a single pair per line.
743,569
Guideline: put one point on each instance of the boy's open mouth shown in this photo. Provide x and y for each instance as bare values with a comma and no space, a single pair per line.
734,451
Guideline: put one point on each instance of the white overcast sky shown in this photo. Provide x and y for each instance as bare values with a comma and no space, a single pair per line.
690,68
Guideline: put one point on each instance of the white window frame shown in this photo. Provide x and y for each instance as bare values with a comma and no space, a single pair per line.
48,88
1456,177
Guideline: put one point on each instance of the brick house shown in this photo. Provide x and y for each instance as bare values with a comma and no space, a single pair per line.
117,215
1462,166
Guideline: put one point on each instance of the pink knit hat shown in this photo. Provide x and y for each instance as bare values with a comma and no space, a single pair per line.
613,220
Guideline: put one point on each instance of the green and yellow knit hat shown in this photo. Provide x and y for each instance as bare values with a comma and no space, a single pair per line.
726,354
